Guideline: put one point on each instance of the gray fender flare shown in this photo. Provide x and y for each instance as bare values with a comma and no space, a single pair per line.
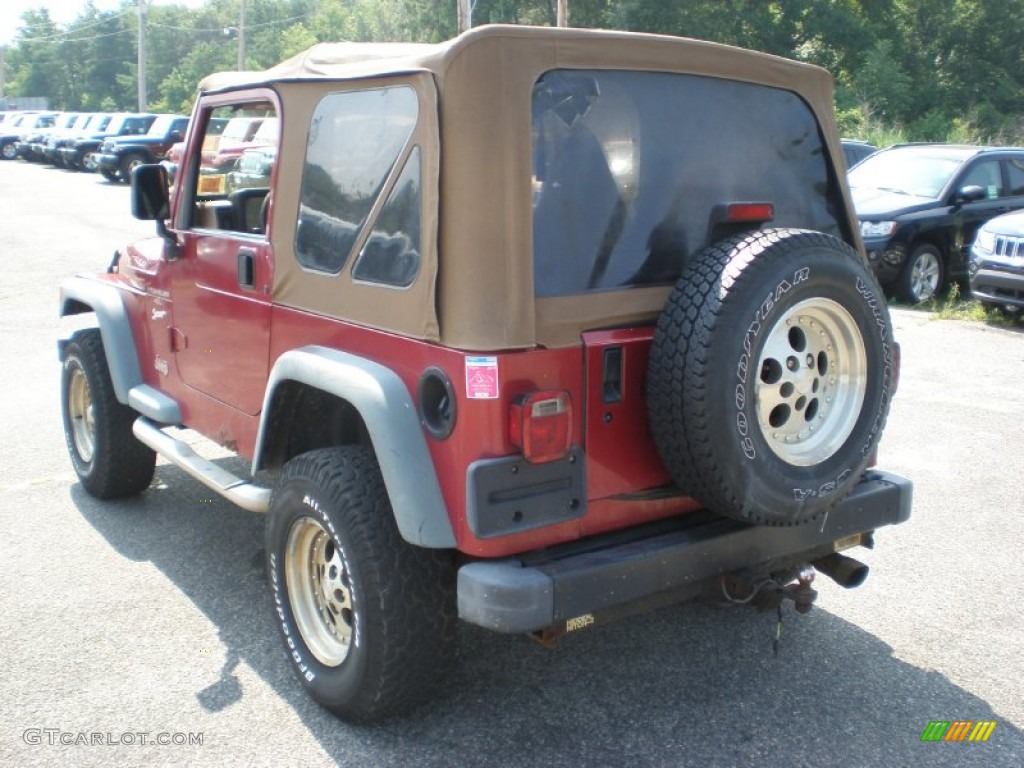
387,409
79,295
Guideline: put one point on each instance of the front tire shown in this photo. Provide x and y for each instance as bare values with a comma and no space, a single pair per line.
770,375
367,619
129,164
923,276
109,460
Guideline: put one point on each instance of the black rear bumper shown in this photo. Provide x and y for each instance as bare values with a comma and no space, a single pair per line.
672,557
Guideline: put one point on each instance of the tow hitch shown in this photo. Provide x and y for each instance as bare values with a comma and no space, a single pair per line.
770,592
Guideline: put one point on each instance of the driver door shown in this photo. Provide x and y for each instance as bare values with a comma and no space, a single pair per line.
223,277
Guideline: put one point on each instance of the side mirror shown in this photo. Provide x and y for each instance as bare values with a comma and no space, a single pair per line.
175,136
969,194
150,201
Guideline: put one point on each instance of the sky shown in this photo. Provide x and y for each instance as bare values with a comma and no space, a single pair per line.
61,11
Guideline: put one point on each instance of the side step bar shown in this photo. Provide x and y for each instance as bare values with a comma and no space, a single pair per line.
250,496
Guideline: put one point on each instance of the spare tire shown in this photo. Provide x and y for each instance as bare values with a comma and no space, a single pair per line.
770,376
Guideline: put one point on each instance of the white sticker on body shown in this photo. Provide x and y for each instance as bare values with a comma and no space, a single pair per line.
482,378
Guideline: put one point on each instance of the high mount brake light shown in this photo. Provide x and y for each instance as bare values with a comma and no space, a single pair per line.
540,424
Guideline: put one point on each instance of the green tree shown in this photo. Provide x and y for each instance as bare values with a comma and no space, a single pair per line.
35,59
935,68
883,84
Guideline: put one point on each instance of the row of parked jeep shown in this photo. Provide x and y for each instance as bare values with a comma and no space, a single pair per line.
110,143
113,144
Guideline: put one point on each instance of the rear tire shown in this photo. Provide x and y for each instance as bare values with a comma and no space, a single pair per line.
109,460
367,619
770,375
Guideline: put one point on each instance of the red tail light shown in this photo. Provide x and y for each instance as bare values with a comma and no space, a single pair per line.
752,212
540,424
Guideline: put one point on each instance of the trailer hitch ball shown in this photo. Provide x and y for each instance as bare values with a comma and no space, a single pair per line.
800,592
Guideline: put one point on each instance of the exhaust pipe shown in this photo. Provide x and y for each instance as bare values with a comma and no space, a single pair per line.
843,570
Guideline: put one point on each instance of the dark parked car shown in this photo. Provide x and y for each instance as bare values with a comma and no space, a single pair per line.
30,122
854,151
32,145
240,134
90,123
80,155
997,262
920,206
252,169
118,155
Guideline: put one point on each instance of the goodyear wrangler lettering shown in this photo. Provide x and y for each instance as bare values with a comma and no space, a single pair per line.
743,364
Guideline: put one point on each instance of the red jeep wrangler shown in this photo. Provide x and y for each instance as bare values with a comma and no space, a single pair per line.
534,328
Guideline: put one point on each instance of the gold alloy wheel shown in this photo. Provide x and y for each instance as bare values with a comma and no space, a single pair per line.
81,411
320,591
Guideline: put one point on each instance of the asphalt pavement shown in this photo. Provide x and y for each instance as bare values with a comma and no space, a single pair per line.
141,632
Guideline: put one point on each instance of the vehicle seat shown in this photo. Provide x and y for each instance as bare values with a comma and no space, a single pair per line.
248,210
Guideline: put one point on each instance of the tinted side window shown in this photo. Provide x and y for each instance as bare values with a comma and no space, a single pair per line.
137,126
1015,167
629,168
355,140
391,254
984,174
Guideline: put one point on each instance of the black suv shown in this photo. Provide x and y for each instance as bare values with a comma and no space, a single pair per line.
80,155
855,150
920,205
118,155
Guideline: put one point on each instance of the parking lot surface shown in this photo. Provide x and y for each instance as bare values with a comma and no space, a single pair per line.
130,623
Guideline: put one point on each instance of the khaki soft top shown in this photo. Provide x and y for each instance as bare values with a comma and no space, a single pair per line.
475,289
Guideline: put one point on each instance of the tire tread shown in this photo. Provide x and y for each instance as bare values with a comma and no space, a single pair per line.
121,466
408,593
683,355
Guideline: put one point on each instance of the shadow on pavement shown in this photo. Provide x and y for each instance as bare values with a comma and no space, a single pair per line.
690,685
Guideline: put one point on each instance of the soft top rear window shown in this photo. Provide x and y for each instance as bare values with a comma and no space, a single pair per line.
628,168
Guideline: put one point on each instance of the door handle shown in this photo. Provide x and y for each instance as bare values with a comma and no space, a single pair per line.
247,267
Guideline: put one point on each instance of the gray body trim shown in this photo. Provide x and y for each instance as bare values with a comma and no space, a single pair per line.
115,328
154,404
79,295
507,495
387,409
